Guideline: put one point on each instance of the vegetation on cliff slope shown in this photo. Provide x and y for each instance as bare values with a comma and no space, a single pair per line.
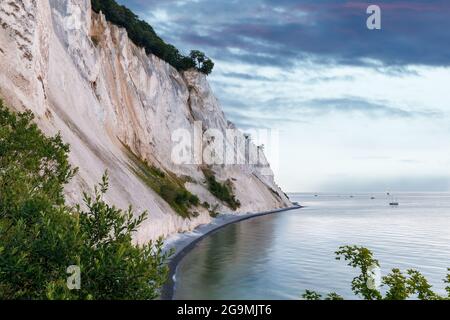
143,35
222,191
169,186
41,237
400,285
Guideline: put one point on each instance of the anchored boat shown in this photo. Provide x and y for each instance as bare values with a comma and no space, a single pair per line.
393,202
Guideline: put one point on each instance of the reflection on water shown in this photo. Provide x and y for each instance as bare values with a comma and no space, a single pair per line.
279,256
210,271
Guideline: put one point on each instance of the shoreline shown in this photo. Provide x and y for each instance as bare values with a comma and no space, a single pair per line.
185,242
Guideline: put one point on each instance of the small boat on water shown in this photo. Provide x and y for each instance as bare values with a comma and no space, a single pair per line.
394,202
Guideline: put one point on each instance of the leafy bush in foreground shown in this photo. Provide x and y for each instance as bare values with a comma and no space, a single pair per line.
400,286
40,237
143,35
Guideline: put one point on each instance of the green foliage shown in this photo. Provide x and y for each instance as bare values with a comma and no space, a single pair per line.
112,266
213,212
36,250
314,296
35,231
400,286
156,171
40,237
334,296
222,191
179,198
170,187
396,282
33,167
418,285
311,295
143,35
206,205
202,63
362,258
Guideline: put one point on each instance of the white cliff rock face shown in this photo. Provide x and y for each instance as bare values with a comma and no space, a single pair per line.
83,77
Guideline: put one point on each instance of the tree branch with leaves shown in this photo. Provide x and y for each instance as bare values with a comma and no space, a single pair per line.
399,286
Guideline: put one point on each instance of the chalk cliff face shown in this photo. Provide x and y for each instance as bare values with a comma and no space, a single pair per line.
83,77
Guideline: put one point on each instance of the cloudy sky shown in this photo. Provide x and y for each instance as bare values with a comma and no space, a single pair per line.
355,109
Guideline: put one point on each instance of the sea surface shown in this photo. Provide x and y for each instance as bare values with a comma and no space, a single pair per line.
279,256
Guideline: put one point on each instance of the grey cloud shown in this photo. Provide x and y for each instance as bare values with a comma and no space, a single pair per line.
323,106
372,108
330,31
246,76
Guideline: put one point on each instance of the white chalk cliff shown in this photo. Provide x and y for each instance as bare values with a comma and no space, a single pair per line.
81,76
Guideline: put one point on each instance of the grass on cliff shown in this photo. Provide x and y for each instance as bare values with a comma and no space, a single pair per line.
170,187
222,191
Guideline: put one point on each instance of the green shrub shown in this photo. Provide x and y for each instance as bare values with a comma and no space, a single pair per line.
206,205
194,200
213,212
156,171
143,35
40,237
112,266
202,62
222,191
400,286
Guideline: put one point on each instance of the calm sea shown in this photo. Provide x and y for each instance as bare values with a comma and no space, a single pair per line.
281,255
